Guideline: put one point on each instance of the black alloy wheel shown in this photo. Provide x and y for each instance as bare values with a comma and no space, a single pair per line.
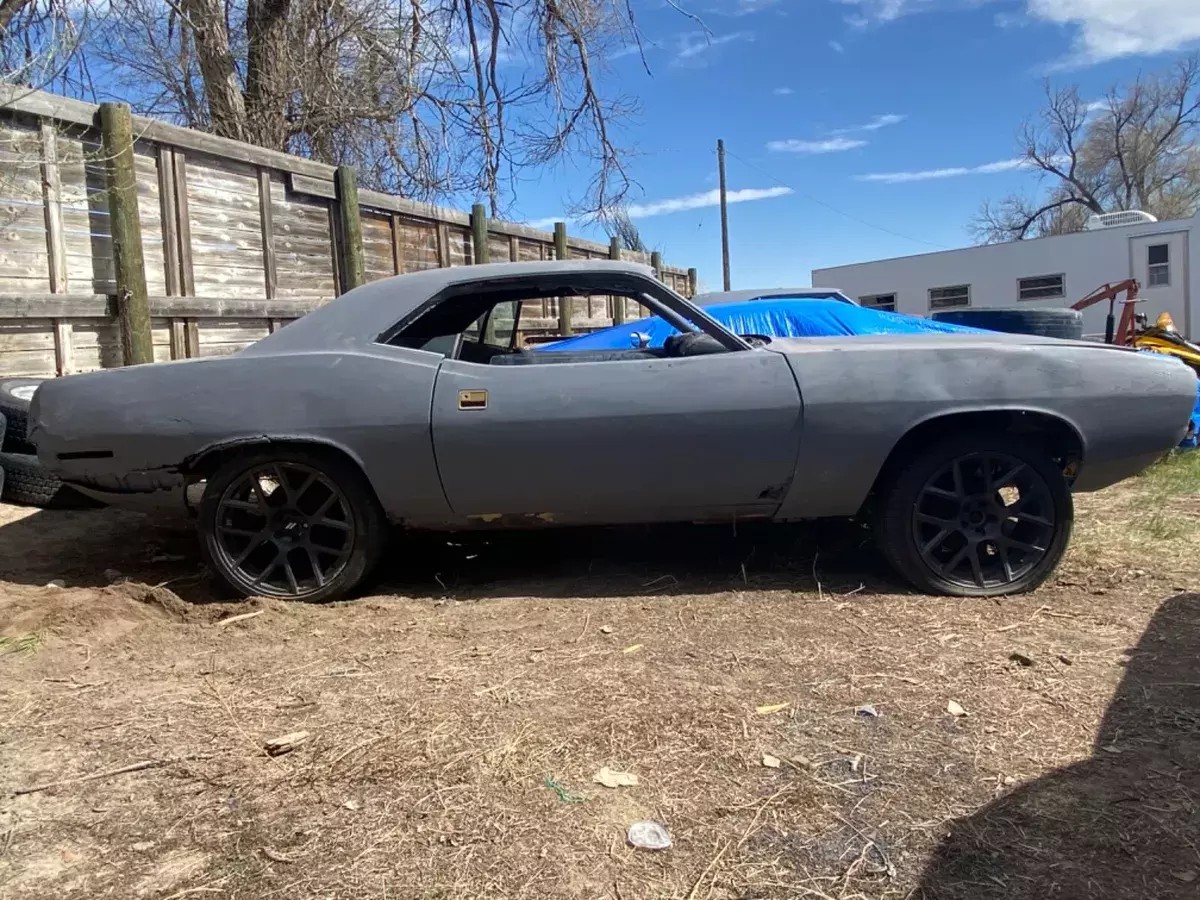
293,525
977,517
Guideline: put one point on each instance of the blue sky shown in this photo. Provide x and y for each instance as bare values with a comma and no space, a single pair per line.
858,129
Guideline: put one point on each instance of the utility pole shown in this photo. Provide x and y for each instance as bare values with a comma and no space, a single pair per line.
724,215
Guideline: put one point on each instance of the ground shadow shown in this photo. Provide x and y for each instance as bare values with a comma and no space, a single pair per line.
1123,824
85,548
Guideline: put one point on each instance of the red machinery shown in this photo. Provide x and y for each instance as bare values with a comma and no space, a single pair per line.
1114,334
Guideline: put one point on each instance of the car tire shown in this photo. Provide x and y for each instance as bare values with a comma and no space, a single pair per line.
28,484
975,516
15,397
1056,323
291,523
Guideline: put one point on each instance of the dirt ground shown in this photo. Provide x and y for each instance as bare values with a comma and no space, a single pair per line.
783,702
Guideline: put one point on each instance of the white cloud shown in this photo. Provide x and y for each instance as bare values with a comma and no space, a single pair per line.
783,92
992,168
693,46
874,125
702,201
746,7
829,145
836,47
1108,29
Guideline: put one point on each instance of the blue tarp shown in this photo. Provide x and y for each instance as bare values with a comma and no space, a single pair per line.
1191,443
810,317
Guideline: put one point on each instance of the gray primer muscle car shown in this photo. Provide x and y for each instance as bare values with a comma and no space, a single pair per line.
409,401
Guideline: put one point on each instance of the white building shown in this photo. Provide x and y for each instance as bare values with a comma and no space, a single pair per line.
1047,272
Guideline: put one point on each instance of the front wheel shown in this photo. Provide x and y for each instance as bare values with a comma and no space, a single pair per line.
291,523
976,516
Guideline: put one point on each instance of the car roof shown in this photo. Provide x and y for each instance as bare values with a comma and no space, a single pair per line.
767,294
361,315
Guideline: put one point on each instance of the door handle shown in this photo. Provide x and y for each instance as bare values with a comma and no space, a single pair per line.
472,399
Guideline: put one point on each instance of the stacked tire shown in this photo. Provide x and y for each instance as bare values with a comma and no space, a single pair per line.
24,480
1055,323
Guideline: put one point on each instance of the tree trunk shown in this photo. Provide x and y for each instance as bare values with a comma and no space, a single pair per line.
266,73
226,107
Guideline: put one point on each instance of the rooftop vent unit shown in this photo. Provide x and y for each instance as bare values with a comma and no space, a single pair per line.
1116,219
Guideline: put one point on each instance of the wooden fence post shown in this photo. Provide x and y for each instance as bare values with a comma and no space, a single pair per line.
479,234
614,252
353,271
565,304
693,282
656,264
133,302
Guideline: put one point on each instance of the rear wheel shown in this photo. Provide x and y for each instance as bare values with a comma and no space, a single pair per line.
291,523
976,516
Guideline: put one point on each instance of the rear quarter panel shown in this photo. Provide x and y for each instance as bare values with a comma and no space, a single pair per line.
861,396
372,403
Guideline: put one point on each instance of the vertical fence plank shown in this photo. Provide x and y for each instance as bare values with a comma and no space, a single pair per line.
133,301
179,347
270,269
169,218
56,246
443,245
187,277
350,217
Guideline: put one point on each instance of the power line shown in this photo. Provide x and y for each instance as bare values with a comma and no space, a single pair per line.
840,212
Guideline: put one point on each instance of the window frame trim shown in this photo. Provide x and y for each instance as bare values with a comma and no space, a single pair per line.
1151,267
948,287
1061,276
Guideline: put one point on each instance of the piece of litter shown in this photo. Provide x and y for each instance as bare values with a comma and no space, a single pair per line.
142,846
633,649
771,708
1187,877
955,709
606,629
564,794
611,779
855,762
1008,779
771,762
649,836
351,805
285,743
868,711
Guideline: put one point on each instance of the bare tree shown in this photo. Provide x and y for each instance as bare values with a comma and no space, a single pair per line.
619,225
1136,149
426,98
40,42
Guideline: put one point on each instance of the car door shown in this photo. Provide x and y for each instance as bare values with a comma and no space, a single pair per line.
705,437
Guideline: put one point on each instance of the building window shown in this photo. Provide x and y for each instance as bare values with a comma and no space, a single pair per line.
950,297
1044,287
886,302
1158,265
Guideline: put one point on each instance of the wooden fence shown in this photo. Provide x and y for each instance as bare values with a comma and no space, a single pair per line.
236,240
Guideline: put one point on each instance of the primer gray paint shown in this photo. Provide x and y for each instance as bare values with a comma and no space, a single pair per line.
797,430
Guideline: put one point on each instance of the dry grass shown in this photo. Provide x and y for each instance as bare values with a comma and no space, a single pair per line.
439,709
